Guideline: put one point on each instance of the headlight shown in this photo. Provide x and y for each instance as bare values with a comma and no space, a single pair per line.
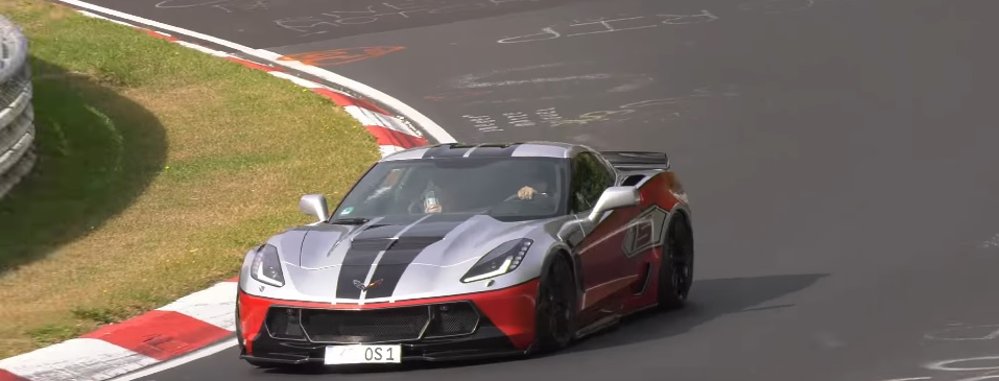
266,266
501,260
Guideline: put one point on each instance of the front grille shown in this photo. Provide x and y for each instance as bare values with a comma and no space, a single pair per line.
391,324
372,326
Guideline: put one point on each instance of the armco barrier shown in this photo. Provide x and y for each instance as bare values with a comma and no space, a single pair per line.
17,129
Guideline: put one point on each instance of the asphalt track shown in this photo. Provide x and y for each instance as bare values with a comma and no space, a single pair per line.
842,158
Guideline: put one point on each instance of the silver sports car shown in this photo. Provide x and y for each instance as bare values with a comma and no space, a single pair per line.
460,251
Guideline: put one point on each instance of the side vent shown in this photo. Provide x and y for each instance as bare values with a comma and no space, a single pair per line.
632,180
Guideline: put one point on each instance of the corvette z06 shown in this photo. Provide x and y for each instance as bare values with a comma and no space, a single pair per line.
456,251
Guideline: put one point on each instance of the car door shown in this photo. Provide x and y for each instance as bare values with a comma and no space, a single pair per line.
604,275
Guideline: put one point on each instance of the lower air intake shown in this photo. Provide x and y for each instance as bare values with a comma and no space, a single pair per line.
398,324
370,326
454,319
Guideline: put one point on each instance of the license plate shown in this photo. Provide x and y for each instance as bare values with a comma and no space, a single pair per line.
363,354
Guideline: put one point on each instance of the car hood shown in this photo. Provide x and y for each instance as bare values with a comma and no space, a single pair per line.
415,256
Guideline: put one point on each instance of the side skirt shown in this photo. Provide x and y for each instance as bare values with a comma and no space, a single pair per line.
599,325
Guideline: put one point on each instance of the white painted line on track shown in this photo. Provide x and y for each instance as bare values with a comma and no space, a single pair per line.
298,81
96,16
131,366
202,49
429,126
169,364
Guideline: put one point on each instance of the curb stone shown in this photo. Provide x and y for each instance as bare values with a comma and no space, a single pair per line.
392,133
202,318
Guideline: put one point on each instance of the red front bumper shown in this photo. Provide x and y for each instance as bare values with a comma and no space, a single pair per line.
511,311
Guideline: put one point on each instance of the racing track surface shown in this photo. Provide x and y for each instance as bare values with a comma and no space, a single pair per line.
842,158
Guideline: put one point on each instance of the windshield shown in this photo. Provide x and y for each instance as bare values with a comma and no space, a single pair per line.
507,189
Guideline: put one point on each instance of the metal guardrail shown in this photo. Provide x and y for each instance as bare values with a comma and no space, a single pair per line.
17,129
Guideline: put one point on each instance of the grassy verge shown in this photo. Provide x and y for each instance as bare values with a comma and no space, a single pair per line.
159,167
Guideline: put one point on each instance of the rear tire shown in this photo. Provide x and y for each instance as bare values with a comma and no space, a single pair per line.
555,311
676,271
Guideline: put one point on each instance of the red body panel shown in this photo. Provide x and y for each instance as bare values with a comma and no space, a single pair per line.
618,263
605,272
612,282
510,309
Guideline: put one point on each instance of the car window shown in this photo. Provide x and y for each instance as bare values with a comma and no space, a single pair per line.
589,180
462,186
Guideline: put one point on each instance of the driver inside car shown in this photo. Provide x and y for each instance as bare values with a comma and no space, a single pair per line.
537,184
536,187
434,198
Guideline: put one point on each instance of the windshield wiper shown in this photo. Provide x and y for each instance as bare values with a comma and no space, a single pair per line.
350,221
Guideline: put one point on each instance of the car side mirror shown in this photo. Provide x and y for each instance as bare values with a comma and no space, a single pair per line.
314,205
612,198
571,227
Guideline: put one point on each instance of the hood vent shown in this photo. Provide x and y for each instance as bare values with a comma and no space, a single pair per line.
372,244
414,243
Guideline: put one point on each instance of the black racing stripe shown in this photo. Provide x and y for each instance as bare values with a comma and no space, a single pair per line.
364,248
364,251
452,152
437,225
402,255
397,259
487,150
357,263
387,227
497,151
438,151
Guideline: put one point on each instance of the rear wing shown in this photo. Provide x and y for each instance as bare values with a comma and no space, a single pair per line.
637,160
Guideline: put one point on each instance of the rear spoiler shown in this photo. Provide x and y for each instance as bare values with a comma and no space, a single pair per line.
637,160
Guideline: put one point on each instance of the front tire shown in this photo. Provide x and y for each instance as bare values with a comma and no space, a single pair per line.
676,271
555,312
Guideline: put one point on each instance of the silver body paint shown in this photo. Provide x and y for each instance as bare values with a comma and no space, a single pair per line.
311,256
317,254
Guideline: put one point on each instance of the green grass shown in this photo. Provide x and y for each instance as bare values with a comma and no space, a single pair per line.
159,166
54,333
